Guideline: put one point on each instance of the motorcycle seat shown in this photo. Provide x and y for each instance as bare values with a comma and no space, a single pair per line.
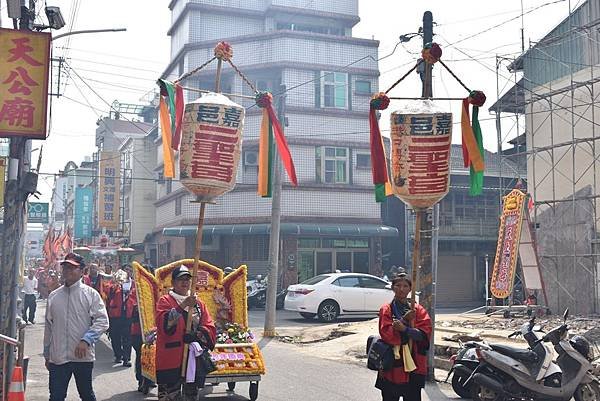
524,355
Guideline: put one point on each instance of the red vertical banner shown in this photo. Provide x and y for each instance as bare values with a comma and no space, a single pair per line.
24,66
507,251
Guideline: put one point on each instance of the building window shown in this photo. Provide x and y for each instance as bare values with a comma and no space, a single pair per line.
255,247
334,165
362,87
169,185
363,161
178,206
334,90
324,30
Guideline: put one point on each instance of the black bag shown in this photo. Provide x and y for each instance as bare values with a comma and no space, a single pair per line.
380,355
205,364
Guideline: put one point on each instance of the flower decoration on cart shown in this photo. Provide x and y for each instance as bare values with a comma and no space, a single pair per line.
233,333
405,159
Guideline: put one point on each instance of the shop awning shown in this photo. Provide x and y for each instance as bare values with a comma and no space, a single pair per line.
308,229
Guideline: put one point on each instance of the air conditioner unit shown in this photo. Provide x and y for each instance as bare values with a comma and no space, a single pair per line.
251,158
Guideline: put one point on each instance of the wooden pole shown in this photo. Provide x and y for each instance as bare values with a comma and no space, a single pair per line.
415,256
188,325
218,78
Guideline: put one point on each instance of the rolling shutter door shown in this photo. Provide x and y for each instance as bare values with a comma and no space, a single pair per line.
454,281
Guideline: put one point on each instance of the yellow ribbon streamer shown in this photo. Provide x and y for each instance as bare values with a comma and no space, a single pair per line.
469,141
263,155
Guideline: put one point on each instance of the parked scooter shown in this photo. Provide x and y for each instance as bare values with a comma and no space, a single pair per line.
257,292
465,361
509,374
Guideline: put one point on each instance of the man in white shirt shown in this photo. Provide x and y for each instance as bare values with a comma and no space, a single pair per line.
30,285
75,320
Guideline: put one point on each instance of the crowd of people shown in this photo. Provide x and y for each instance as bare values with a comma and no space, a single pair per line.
88,301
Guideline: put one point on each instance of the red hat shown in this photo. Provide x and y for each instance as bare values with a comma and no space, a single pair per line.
74,259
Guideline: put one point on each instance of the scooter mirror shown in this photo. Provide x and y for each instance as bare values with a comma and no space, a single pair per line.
566,314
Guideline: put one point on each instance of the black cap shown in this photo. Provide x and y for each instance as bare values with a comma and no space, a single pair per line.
180,272
74,259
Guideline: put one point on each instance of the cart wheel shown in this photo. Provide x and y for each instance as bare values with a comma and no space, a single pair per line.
253,391
231,386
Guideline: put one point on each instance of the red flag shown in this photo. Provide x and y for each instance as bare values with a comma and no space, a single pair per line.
67,241
282,146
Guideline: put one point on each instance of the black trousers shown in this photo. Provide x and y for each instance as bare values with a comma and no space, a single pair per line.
29,303
136,343
410,391
60,376
120,337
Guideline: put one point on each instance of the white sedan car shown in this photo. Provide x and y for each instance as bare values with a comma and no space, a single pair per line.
334,294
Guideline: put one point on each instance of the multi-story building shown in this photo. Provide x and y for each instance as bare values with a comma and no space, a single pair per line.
63,195
556,99
330,221
138,187
123,138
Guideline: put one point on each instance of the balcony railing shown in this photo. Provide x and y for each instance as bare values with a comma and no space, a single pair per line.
463,227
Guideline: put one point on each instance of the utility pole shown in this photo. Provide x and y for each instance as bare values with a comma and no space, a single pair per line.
273,276
429,217
13,226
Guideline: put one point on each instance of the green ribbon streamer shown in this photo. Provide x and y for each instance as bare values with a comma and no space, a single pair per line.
476,178
380,193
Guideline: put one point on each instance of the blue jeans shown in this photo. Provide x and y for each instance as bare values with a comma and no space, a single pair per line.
60,376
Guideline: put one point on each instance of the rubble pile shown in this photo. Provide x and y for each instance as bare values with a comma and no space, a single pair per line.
587,326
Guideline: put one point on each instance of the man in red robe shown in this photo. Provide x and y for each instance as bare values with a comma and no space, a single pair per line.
398,326
171,317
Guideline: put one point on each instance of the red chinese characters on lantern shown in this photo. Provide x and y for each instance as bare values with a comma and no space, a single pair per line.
428,165
213,153
210,145
421,157
24,58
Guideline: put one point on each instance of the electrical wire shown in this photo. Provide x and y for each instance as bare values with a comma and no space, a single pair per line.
504,22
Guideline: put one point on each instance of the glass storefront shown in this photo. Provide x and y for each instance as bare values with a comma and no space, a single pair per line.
325,255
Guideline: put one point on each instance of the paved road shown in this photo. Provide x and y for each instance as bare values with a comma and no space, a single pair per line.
256,319
291,375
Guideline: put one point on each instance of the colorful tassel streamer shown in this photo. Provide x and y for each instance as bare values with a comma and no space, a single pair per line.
476,177
379,170
173,95
265,101
265,157
472,141
168,154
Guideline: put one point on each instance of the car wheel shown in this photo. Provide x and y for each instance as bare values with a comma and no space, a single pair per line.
328,311
308,316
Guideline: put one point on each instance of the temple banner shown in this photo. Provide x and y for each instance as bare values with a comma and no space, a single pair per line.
211,144
109,192
509,235
421,157
24,66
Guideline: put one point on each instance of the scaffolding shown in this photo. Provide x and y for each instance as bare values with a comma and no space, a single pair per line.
554,100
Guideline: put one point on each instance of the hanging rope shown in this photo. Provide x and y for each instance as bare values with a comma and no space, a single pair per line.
404,76
195,70
454,75
241,74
